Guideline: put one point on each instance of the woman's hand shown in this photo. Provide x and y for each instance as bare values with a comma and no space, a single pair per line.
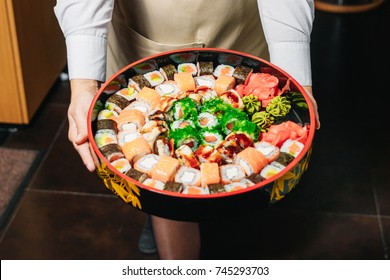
309,92
83,92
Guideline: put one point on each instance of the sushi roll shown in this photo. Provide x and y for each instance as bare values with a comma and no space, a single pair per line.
149,96
188,176
232,98
207,94
193,190
230,118
131,120
136,148
231,173
141,106
154,78
185,108
205,68
165,169
224,83
105,137
186,156
152,136
185,81
284,158
209,174
292,147
182,123
185,136
251,160
207,120
161,147
107,124
168,71
168,88
216,188
129,93
127,136
206,153
173,187
187,68
122,165
255,178
248,128
153,183
271,152
215,106
138,82
112,87
146,163
184,57
205,82
231,59
241,73
211,137
223,69
235,186
97,107
146,66
107,114
271,169
136,175
247,182
116,102
112,152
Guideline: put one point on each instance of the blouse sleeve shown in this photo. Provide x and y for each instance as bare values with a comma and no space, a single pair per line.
287,26
84,24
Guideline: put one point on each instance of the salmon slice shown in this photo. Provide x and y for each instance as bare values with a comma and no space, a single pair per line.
165,169
136,148
251,160
130,116
209,173
224,83
150,96
185,81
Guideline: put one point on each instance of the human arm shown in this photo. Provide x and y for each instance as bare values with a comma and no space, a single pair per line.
287,27
85,28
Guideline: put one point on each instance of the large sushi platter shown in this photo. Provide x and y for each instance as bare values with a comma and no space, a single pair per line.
189,133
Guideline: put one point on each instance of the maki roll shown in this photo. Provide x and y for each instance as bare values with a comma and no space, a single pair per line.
136,149
205,82
149,96
235,186
216,188
107,114
154,78
105,137
165,169
188,176
173,187
116,102
182,123
241,73
122,165
168,88
223,69
168,71
112,152
184,108
153,183
224,83
209,174
107,124
146,163
292,147
136,175
195,190
284,158
187,68
271,169
205,68
138,82
233,98
185,136
211,137
131,120
271,152
231,173
247,128
251,160
231,118
207,120
215,106
186,156
185,81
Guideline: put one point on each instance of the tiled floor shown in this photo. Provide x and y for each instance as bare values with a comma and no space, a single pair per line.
340,210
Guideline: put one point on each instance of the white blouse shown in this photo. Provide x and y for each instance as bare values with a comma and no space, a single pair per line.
287,26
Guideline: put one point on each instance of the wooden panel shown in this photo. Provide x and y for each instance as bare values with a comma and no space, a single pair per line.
12,104
32,55
41,46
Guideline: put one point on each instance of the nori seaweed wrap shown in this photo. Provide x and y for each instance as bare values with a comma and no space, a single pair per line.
140,81
205,68
173,186
107,124
284,158
216,188
241,73
168,71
